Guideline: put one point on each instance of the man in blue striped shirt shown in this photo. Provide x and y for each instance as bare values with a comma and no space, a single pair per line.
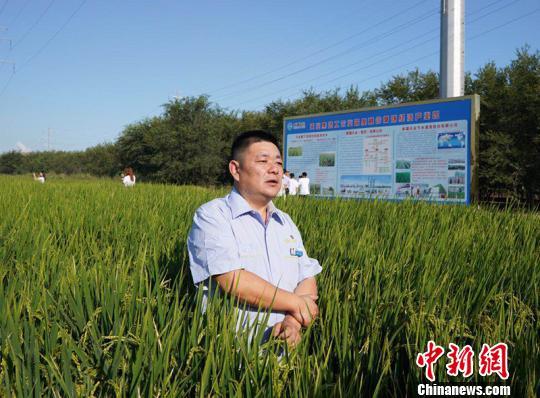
252,250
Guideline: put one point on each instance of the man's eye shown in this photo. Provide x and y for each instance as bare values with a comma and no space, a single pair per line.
262,161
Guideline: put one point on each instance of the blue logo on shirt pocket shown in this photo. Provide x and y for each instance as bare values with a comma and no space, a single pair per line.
295,252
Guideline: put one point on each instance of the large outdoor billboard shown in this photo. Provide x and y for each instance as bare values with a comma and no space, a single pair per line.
422,150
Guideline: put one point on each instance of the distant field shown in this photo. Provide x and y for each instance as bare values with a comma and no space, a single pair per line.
96,297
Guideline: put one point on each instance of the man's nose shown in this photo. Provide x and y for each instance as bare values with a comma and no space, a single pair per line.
275,168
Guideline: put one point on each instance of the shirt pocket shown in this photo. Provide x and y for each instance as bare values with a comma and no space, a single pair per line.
289,263
250,257
292,248
246,250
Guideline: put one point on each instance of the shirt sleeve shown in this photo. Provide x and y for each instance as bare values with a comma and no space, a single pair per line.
212,248
308,266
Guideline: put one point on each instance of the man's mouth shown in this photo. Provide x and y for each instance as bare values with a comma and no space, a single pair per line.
272,182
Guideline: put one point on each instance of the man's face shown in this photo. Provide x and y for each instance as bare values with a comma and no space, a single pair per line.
258,172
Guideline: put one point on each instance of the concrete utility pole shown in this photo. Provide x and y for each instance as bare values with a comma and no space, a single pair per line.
452,72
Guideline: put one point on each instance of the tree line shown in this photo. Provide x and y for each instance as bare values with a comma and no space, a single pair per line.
189,142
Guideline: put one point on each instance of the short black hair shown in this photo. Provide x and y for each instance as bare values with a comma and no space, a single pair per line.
245,139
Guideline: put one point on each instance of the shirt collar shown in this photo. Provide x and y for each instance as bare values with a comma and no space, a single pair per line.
239,206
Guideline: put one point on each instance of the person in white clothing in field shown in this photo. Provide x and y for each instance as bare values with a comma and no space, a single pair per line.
128,179
303,183
286,179
40,177
284,190
293,185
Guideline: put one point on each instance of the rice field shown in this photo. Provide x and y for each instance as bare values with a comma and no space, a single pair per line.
96,297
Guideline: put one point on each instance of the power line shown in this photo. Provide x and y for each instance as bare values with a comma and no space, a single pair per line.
36,22
3,7
12,46
45,45
423,57
505,24
320,50
8,40
341,54
390,18
348,66
7,83
315,40
19,13
383,52
383,35
54,35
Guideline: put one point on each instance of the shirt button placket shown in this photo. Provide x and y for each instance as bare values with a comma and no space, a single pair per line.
267,252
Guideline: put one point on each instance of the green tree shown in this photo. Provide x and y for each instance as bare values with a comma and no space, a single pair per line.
12,163
509,127
101,160
188,144
523,118
414,86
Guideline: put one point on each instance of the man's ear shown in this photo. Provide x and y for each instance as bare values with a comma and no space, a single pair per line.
234,169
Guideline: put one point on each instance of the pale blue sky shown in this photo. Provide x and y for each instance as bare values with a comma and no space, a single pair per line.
86,76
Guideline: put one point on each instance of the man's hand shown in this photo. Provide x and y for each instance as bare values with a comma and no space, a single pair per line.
289,330
306,309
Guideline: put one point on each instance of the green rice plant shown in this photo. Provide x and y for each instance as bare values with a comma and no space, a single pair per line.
96,298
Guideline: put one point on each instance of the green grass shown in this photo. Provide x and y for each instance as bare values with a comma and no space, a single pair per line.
96,297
